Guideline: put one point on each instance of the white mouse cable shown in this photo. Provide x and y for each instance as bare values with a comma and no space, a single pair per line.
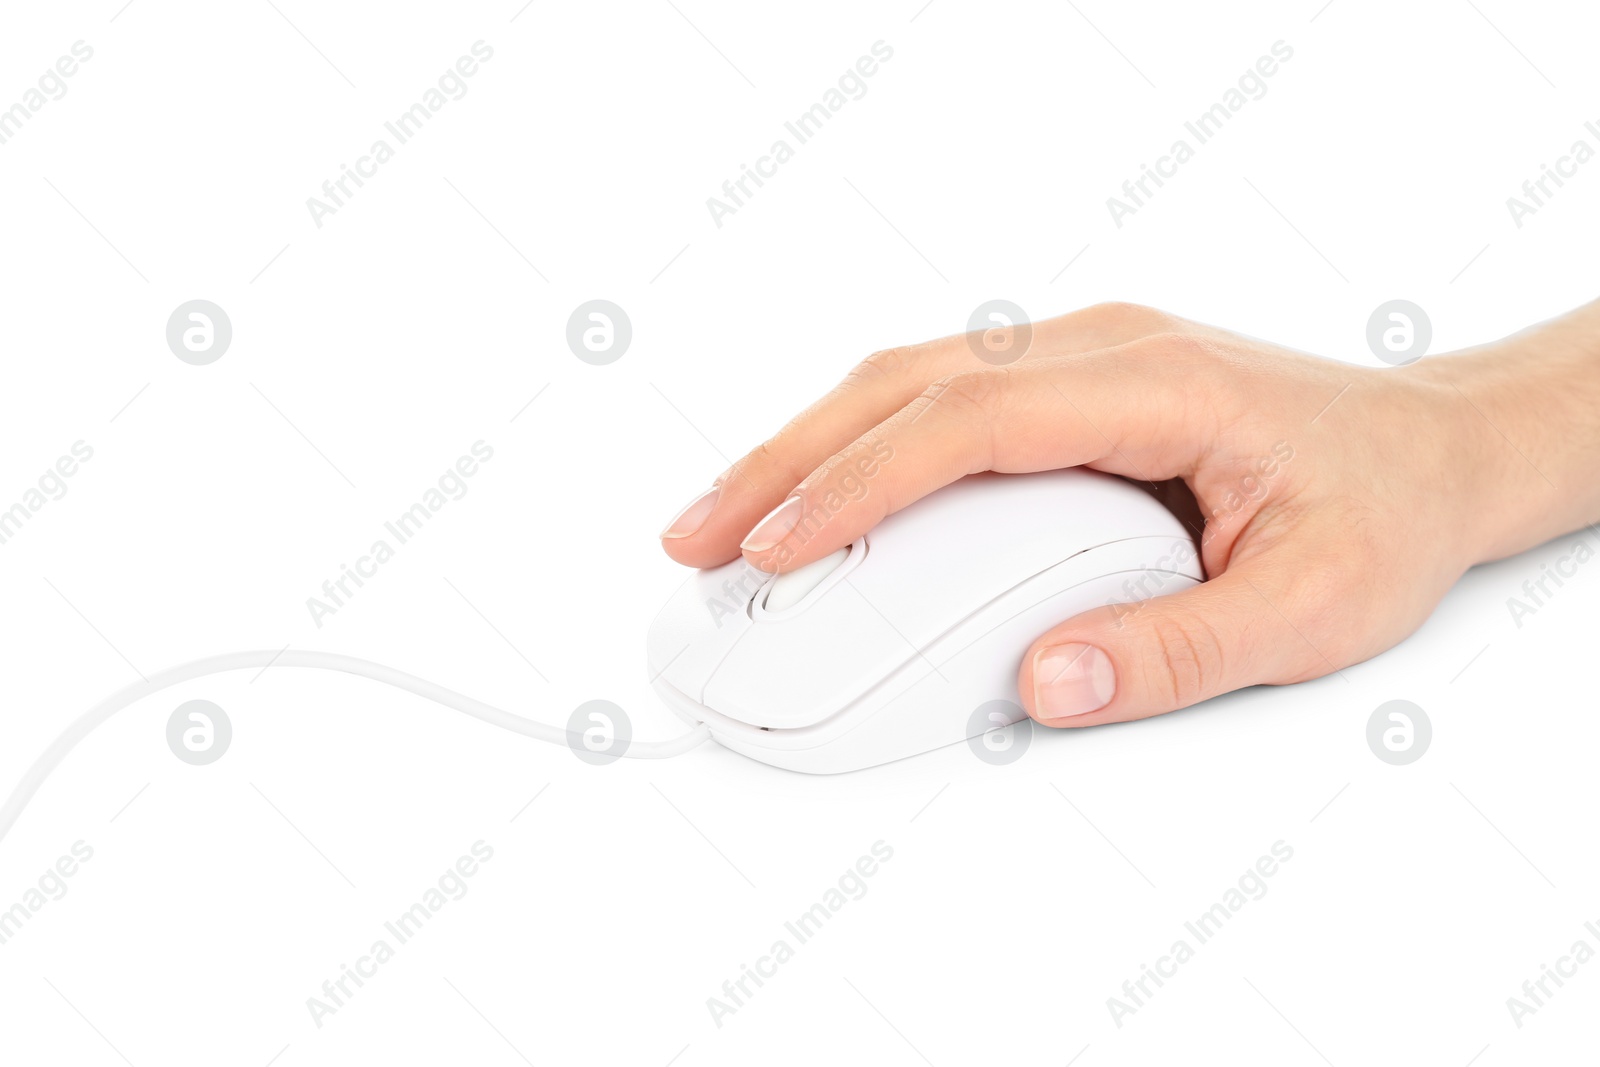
327,661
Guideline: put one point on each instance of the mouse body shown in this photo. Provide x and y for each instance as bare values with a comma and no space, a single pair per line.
911,638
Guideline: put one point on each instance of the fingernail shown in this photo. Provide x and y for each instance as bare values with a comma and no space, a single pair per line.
1072,680
770,531
695,515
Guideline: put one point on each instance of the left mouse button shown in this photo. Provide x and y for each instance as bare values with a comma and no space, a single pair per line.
700,624
790,588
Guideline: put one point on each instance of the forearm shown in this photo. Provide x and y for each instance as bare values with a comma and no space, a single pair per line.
1532,418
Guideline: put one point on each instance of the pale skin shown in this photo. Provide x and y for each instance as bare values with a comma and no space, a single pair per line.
1399,480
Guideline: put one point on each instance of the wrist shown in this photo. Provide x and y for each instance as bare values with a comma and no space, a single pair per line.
1523,419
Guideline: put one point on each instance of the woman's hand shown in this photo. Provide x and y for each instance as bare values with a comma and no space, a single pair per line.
1340,502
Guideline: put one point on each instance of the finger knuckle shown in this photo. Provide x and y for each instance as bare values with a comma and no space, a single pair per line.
1184,661
1170,346
892,363
769,461
972,392
1124,313
767,454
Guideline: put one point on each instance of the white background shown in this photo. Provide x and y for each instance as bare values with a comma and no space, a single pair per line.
416,322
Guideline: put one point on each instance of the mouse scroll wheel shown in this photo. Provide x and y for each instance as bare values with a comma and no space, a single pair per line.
790,588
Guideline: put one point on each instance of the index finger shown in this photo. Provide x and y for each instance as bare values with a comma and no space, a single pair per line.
1137,410
708,531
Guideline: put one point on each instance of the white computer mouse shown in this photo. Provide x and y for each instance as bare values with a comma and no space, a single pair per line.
890,647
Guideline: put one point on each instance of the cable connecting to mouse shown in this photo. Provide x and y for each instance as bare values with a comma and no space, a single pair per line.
86,723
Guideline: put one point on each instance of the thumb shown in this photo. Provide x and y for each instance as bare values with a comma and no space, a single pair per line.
1132,661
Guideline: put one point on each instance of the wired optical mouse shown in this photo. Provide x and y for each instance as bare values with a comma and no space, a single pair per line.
886,648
